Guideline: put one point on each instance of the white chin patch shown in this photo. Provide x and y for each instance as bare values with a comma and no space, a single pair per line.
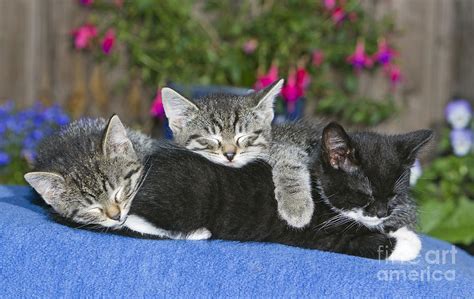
408,245
368,221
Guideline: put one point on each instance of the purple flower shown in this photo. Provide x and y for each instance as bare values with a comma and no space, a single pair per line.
359,59
415,172
458,113
461,141
385,53
4,159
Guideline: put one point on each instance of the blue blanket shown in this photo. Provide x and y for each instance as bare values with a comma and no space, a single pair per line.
40,258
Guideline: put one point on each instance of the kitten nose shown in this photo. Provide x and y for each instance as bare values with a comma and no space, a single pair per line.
381,211
113,213
229,151
381,214
229,155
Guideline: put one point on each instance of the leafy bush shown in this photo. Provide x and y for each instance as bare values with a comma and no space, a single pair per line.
445,191
236,43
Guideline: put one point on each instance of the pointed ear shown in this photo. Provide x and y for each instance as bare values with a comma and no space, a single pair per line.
411,143
115,142
49,185
264,108
178,109
337,149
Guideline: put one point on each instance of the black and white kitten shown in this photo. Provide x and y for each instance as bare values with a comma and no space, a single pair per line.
185,196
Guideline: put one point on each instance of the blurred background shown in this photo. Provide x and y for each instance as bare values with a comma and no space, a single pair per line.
388,65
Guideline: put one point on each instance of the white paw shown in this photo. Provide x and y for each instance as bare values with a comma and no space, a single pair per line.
297,212
408,245
199,234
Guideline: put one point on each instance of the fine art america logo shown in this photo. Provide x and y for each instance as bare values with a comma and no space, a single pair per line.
432,265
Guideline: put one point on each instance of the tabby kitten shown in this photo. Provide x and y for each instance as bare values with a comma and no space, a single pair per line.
236,130
90,172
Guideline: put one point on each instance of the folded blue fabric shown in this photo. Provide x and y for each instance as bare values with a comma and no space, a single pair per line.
41,258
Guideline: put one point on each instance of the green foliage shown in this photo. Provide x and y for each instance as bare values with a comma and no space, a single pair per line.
445,193
202,42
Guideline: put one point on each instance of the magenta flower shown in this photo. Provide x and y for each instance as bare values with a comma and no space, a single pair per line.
329,4
157,110
385,53
250,46
267,79
83,35
394,74
359,59
338,15
108,41
291,92
318,57
302,79
86,2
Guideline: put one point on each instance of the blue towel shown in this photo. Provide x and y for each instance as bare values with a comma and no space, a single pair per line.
41,258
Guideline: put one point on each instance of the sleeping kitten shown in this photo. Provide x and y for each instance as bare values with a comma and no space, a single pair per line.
90,175
368,214
236,130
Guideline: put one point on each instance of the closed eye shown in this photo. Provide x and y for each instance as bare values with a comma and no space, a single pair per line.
245,140
207,143
95,210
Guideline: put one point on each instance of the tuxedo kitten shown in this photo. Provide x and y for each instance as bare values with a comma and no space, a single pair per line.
90,172
362,201
365,176
236,130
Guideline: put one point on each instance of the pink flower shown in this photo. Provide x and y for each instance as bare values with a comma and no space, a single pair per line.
108,41
250,46
318,57
267,79
338,15
157,109
384,54
86,2
302,79
394,73
291,92
83,35
359,59
329,4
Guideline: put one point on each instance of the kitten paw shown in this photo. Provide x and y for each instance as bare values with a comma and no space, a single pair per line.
296,209
408,245
199,234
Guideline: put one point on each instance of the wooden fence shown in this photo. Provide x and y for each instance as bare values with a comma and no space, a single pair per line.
36,60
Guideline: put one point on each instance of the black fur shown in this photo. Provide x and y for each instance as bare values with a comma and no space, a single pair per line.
184,192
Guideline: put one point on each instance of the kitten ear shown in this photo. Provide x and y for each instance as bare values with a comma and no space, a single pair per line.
264,108
410,144
48,184
337,149
115,142
178,109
